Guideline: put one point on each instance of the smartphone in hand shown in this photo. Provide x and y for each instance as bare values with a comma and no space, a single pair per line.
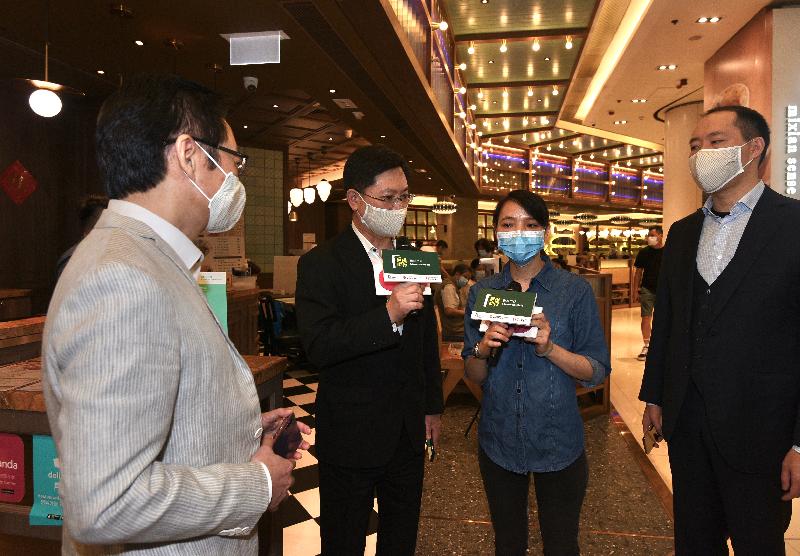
287,437
650,439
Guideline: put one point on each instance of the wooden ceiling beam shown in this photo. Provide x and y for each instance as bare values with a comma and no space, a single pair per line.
598,149
556,140
522,35
486,115
512,84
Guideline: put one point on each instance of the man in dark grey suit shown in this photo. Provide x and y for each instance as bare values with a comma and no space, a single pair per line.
154,413
721,381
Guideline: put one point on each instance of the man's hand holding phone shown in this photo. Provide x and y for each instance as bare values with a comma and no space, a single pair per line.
651,427
280,468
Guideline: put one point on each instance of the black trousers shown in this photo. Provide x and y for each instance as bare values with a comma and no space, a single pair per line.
713,501
559,495
346,496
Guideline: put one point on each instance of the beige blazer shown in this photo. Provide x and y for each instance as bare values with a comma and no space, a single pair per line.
154,413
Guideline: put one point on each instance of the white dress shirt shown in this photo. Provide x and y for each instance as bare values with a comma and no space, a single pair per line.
184,247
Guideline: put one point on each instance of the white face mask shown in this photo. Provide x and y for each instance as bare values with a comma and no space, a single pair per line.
383,222
713,169
226,206
652,241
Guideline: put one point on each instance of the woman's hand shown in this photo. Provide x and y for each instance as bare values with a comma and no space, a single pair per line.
542,340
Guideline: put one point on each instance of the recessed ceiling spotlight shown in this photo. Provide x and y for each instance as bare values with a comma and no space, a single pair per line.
332,91
100,72
484,1
462,66
274,105
462,90
383,137
714,19
329,138
491,61
471,49
536,46
503,46
568,43
638,100
138,43
547,58
620,122
664,67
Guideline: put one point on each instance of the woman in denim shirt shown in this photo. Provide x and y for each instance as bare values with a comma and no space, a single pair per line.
530,422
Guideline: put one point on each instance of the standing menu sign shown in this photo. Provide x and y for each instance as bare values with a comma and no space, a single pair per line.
46,509
213,286
12,468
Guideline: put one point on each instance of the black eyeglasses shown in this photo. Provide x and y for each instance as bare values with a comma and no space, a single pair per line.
398,201
241,156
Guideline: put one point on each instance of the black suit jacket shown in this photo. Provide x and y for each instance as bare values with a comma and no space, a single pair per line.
373,381
751,360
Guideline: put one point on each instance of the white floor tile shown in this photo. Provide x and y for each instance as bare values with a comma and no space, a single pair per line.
307,460
313,386
302,539
303,399
310,501
299,411
372,541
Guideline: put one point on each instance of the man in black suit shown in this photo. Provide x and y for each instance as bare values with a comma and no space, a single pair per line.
380,386
723,358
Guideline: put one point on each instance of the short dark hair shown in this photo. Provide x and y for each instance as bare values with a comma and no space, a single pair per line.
442,243
141,117
367,163
659,229
460,268
474,264
751,123
530,202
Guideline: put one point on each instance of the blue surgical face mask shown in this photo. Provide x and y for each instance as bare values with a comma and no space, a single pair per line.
521,246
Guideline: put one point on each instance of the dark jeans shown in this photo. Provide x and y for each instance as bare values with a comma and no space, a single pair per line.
713,501
346,496
559,495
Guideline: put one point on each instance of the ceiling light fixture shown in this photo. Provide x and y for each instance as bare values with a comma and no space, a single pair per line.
620,122
506,140
471,49
568,44
100,72
536,46
462,66
622,38
244,126
491,61
332,91
138,43
480,93
441,25
503,46
530,91
555,90
43,100
714,19
665,67
638,100
505,93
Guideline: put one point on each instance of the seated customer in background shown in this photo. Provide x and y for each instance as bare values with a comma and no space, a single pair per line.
452,306
88,215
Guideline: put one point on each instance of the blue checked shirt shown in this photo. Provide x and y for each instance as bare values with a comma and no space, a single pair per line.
529,414
721,234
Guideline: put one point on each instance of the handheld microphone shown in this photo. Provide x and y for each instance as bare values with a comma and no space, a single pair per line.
402,243
494,357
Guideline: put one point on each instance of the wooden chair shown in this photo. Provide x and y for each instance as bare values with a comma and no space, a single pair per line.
452,366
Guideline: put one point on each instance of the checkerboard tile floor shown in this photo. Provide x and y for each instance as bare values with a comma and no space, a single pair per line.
300,511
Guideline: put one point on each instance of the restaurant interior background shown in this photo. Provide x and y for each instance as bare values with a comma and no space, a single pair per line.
586,102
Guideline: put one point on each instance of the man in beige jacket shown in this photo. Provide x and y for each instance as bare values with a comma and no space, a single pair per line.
154,413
